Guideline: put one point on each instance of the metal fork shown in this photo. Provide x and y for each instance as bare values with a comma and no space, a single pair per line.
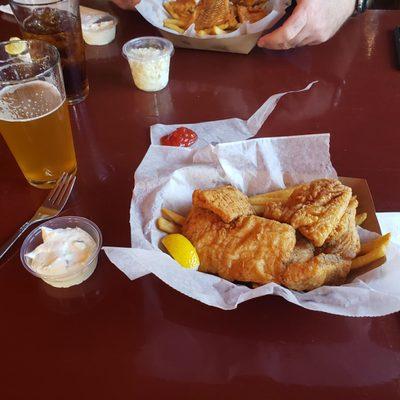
50,208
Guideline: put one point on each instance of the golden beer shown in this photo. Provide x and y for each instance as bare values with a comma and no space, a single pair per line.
34,122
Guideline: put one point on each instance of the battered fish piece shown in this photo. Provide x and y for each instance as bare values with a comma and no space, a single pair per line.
249,249
227,202
324,269
211,13
303,251
247,15
344,239
315,209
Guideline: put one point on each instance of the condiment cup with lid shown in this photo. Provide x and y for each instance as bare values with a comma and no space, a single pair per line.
61,273
149,59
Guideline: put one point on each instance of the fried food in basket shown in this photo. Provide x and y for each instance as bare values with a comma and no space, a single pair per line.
250,249
247,14
324,269
212,17
210,13
306,238
344,238
315,209
227,202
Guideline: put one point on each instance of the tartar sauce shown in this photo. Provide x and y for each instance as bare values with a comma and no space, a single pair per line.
149,68
62,251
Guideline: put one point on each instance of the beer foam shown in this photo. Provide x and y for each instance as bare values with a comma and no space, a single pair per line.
29,101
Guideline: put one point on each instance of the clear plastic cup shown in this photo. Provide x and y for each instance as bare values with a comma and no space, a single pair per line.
75,276
149,59
99,30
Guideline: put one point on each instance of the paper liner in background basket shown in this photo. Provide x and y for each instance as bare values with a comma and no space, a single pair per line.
242,40
167,177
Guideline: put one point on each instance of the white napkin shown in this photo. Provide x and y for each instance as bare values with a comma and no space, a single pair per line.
227,130
6,9
390,222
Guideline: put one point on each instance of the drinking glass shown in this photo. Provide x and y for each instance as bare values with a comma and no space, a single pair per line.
57,22
34,117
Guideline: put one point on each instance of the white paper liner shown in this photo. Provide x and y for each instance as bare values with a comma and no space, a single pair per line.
390,222
6,9
167,177
154,12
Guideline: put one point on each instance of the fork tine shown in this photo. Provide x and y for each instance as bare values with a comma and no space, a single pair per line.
65,193
53,194
62,189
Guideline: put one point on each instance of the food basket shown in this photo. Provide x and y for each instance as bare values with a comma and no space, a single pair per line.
241,41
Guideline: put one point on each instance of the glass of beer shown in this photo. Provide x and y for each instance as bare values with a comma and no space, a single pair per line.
34,117
57,22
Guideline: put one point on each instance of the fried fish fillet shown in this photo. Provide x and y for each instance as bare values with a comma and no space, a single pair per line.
245,14
249,249
227,202
323,269
210,13
344,239
303,250
315,209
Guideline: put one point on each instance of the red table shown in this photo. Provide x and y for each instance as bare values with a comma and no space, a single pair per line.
111,338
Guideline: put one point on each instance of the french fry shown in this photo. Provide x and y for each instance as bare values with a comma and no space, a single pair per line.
170,9
167,226
173,216
223,26
202,32
360,218
259,209
173,27
283,194
177,22
373,244
216,30
373,255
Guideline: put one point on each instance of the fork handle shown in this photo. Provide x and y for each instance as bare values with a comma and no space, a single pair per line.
7,245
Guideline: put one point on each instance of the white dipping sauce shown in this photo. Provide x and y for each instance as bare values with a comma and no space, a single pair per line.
63,252
99,33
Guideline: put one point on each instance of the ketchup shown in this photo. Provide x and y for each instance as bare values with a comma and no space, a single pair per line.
180,137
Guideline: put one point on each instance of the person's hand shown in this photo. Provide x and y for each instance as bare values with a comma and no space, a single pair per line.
126,4
312,22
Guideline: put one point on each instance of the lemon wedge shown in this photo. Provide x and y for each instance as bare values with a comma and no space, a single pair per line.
15,48
180,248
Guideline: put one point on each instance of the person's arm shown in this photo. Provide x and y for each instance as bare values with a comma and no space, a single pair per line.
126,4
312,22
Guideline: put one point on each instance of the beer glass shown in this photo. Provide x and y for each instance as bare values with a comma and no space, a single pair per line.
57,22
34,117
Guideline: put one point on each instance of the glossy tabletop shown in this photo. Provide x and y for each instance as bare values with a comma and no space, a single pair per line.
111,338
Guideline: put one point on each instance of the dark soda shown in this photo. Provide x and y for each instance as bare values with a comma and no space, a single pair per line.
63,30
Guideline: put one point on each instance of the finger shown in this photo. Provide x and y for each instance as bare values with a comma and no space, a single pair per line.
281,38
302,39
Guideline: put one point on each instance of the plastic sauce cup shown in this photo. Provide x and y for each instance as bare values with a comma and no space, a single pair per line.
75,276
149,59
98,30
